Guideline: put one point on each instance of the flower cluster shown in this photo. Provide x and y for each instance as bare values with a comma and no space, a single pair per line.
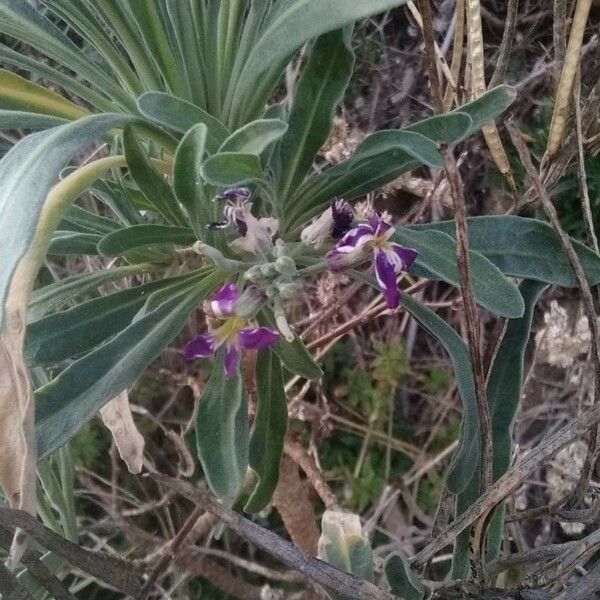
275,277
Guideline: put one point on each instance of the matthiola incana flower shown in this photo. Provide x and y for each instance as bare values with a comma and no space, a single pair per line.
389,258
234,333
333,223
256,234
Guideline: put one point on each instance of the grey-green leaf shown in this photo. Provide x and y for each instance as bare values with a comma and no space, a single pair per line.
320,90
28,172
78,393
437,260
466,457
268,430
52,296
61,335
255,137
153,185
125,240
402,580
232,168
187,182
222,432
180,115
522,247
294,356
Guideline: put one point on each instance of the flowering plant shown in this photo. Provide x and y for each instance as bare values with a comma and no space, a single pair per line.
216,205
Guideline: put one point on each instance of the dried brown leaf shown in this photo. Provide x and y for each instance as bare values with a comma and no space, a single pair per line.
116,415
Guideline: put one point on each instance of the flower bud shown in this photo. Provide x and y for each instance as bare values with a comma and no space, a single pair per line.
285,265
288,290
250,302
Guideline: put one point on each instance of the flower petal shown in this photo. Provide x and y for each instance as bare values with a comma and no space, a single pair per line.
381,228
355,238
406,255
343,216
232,357
338,261
223,301
255,338
199,347
386,277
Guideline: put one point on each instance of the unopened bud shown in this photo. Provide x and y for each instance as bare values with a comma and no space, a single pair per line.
285,265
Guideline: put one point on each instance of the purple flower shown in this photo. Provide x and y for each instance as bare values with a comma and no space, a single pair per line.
256,234
389,258
234,334
333,223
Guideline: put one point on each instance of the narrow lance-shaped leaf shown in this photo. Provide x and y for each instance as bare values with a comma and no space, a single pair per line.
51,297
504,393
255,137
294,356
68,333
222,432
319,92
466,457
179,115
122,241
187,181
293,22
522,247
66,403
268,430
232,168
437,260
156,190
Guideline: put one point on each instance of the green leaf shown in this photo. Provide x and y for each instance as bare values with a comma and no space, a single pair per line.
18,119
466,457
293,22
232,168
180,115
73,243
294,356
403,581
268,430
522,247
89,221
124,240
20,20
28,172
222,432
354,177
255,137
59,336
187,182
411,143
153,185
80,391
437,260
50,297
319,92
489,106
505,383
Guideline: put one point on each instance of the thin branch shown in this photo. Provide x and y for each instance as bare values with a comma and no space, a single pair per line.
512,11
472,320
317,570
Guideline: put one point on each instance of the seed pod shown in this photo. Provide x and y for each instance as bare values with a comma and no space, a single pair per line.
567,78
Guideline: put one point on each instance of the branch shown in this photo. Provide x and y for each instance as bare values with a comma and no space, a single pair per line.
315,569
